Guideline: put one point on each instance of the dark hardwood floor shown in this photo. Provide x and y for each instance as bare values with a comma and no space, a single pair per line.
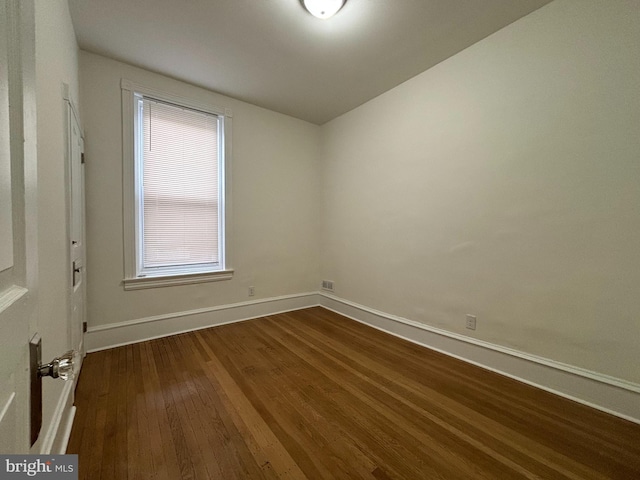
311,394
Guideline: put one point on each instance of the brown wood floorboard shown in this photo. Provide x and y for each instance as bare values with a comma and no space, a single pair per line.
313,395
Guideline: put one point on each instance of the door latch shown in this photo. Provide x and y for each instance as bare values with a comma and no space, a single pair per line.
77,269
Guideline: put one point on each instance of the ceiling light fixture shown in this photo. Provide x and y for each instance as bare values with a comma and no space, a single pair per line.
323,8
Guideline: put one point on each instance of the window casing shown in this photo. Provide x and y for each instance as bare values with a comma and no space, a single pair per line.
176,189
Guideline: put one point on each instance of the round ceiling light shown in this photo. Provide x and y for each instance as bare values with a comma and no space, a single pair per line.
323,8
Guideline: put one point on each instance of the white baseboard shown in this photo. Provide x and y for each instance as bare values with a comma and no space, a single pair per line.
57,436
605,393
133,331
66,433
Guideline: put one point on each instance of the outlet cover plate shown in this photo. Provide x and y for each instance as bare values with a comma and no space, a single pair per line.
471,322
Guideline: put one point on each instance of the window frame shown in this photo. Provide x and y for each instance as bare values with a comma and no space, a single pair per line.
133,278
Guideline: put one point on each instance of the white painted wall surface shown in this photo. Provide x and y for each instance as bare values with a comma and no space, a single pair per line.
276,201
504,183
56,63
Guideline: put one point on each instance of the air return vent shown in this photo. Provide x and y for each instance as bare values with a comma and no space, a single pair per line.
327,285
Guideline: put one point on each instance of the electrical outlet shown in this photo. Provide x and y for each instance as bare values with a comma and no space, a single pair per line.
327,285
471,322
252,291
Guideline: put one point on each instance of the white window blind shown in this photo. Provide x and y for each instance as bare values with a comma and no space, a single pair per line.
179,204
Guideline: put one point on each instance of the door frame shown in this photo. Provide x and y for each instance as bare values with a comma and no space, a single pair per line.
55,439
72,115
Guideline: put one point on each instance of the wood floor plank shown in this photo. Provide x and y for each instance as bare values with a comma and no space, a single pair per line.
161,442
373,370
539,422
313,395
288,412
143,423
393,409
261,441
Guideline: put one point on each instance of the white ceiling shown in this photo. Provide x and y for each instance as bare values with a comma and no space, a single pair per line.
272,53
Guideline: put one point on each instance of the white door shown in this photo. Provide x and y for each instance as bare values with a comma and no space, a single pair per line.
18,229
76,228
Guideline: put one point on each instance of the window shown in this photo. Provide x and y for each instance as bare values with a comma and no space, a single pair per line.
176,201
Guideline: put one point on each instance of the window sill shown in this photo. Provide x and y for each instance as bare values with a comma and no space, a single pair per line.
173,280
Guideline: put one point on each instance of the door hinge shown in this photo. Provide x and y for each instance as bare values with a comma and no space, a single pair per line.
82,158
84,327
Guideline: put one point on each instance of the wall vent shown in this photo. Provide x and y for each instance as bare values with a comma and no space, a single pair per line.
327,285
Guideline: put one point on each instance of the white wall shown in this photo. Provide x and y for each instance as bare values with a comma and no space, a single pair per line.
276,202
56,63
505,183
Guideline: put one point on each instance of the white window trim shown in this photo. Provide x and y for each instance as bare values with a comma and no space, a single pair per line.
131,281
